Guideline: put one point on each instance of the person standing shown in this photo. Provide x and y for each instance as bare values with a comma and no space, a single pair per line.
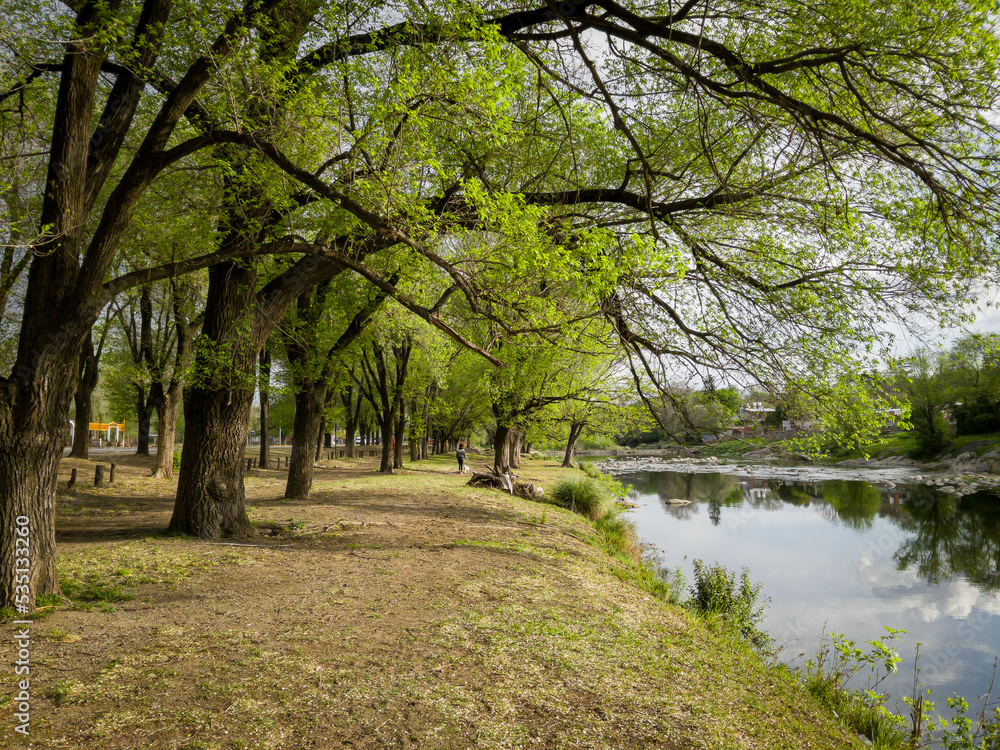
460,455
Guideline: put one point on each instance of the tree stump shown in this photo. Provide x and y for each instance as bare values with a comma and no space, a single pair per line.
72,479
506,482
99,475
111,474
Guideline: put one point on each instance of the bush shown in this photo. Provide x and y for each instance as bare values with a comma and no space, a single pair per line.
177,461
590,469
715,595
584,496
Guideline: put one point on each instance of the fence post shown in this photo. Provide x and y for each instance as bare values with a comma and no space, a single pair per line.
72,479
111,475
99,475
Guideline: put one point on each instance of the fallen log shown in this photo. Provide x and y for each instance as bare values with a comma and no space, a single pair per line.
506,482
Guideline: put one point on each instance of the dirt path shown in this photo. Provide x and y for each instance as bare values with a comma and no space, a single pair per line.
407,611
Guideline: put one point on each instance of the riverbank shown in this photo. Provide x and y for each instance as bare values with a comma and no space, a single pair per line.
386,611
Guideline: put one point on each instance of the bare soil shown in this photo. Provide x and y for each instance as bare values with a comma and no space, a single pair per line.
405,611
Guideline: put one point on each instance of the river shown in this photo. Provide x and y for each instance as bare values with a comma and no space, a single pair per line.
838,554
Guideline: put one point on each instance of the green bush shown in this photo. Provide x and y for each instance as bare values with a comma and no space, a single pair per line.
177,461
583,496
590,469
716,596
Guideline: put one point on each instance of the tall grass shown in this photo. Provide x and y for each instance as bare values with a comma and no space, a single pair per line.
583,496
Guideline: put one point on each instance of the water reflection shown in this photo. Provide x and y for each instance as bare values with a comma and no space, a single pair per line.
848,557
951,536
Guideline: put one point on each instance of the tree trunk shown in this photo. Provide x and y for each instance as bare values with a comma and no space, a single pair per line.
416,433
210,495
265,406
88,373
27,485
575,430
398,434
516,438
166,417
81,433
144,412
385,467
349,434
319,437
32,431
308,415
501,449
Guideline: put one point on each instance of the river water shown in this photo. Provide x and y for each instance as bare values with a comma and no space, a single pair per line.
847,556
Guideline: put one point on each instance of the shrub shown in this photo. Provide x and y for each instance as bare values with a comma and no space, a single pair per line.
177,461
715,595
590,469
584,496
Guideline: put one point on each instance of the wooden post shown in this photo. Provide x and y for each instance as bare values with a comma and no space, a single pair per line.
99,475
249,463
111,475
72,479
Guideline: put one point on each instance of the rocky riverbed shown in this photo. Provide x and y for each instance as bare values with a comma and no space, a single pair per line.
963,475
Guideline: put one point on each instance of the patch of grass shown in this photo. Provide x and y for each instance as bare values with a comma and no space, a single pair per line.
583,496
103,575
618,533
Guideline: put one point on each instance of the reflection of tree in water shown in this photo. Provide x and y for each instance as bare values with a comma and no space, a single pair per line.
952,537
856,503
792,494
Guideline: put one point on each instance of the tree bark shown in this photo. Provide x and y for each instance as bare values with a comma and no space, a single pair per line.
349,434
166,417
308,415
516,439
501,448
210,496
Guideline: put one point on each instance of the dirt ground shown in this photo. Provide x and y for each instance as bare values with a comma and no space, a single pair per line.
405,611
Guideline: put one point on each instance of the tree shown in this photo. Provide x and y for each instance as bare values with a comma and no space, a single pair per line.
90,360
313,358
919,378
772,186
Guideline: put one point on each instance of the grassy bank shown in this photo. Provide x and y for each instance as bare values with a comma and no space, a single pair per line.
400,611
